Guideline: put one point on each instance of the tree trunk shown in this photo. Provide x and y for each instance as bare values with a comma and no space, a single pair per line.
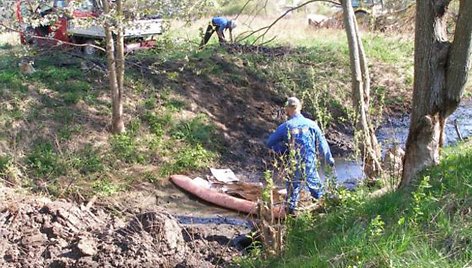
441,70
117,125
120,68
360,94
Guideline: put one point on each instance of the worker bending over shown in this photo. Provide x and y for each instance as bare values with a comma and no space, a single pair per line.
219,25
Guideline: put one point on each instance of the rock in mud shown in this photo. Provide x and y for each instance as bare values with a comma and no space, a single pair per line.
87,246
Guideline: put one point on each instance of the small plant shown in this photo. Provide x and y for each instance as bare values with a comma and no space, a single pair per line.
105,187
88,161
188,158
65,133
420,198
9,171
5,161
376,226
44,160
158,123
124,147
194,131
150,176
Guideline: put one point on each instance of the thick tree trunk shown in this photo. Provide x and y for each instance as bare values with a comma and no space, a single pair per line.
117,124
360,94
440,74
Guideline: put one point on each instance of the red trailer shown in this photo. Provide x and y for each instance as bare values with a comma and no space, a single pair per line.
139,34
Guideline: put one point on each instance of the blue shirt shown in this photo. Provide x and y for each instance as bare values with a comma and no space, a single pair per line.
303,134
221,22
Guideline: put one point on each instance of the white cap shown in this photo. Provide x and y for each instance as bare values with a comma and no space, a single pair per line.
233,24
294,102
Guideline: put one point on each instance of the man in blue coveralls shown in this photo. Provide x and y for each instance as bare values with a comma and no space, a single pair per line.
300,137
218,25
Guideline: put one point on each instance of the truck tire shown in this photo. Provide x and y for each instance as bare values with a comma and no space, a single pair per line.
89,50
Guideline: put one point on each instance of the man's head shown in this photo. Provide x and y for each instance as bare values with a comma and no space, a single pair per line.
232,24
293,106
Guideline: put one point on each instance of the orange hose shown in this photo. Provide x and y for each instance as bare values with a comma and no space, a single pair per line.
221,199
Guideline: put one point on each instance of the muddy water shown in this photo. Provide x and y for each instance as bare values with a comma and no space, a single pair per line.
395,132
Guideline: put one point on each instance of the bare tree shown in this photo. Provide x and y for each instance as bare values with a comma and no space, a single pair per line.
115,62
441,72
361,94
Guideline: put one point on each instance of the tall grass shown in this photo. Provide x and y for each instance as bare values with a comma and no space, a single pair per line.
427,225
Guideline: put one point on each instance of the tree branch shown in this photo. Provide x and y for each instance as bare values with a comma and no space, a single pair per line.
267,28
242,9
459,58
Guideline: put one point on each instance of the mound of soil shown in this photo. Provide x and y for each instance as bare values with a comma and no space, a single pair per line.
38,232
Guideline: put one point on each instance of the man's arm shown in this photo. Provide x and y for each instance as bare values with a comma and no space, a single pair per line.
231,35
220,34
323,146
276,138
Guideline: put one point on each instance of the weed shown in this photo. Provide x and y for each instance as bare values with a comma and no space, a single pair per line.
105,187
44,160
376,226
151,177
133,127
66,132
195,131
5,161
124,148
150,103
88,160
174,105
188,158
414,227
11,81
158,123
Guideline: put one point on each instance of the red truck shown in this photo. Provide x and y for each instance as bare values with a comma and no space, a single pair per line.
142,33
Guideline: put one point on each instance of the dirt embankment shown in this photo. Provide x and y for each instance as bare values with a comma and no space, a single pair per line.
38,232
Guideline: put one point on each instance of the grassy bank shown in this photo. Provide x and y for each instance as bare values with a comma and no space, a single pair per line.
428,225
186,109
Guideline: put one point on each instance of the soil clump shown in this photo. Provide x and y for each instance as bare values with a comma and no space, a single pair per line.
39,232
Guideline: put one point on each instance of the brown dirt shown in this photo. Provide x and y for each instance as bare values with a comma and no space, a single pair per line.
38,232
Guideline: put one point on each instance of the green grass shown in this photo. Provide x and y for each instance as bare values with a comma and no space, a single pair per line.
427,225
